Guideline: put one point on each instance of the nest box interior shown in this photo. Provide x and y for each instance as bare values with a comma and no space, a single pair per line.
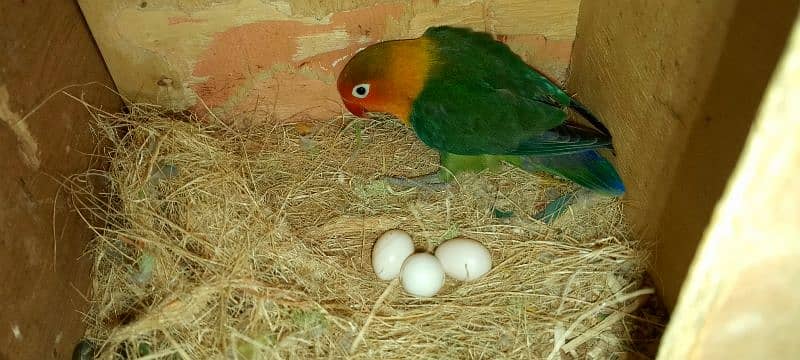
679,85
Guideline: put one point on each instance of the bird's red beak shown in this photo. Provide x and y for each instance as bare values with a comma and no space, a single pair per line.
355,109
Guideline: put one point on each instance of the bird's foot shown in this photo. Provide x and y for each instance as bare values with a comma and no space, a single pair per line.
431,182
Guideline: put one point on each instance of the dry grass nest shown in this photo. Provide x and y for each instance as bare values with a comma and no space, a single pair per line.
221,243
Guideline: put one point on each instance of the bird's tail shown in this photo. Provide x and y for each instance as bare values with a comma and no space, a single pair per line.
588,169
577,106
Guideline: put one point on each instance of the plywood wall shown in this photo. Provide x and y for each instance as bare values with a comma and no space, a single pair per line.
45,46
281,57
741,299
678,84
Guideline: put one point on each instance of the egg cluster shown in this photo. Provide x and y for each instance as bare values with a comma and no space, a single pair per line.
421,273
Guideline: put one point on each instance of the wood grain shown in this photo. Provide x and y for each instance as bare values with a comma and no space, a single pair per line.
741,298
45,46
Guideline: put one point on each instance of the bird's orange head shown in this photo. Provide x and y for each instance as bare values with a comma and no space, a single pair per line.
385,77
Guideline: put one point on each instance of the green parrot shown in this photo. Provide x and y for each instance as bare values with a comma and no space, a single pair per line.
479,104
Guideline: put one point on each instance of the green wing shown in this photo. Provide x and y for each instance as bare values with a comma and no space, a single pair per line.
481,98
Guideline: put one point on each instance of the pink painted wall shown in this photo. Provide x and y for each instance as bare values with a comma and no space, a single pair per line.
280,61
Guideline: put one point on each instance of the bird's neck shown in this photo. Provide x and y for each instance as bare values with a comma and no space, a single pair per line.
411,62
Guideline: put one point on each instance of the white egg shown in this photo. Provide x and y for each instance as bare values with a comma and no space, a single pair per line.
389,252
422,275
464,259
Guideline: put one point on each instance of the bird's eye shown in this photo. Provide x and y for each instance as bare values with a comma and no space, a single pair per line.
361,90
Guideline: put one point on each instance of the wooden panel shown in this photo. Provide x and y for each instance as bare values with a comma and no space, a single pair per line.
741,299
45,46
678,84
637,66
751,50
281,57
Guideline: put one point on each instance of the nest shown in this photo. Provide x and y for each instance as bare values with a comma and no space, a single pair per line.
214,242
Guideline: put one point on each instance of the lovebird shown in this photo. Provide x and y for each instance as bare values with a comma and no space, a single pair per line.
476,102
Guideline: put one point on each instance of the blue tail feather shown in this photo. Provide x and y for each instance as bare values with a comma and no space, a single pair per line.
555,208
587,169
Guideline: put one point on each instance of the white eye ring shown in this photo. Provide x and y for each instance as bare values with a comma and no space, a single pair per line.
361,90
